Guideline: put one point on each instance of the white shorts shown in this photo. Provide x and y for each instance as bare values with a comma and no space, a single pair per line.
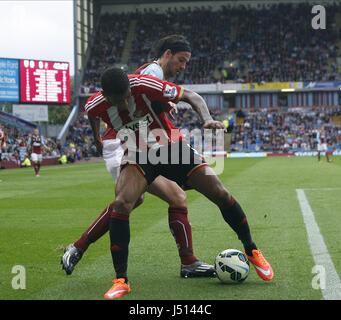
322,147
112,155
36,157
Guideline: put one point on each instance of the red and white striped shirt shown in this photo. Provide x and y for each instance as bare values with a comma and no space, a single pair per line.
145,89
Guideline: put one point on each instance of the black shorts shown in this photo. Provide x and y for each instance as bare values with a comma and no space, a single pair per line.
175,161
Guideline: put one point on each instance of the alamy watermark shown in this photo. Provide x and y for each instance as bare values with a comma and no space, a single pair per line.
175,146
319,20
319,279
19,280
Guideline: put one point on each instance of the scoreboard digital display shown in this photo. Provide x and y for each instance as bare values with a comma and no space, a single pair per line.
44,82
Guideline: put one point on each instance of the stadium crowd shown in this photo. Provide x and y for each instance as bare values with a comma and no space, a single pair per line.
17,147
78,145
294,130
232,44
240,44
275,130
80,140
107,48
264,130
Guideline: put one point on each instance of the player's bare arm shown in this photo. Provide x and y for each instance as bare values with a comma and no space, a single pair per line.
95,126
200,107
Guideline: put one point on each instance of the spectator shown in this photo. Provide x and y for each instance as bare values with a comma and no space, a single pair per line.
231,44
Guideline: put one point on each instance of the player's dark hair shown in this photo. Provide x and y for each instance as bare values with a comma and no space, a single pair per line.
114,81
174,42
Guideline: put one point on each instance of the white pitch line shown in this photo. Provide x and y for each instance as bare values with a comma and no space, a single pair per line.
319,249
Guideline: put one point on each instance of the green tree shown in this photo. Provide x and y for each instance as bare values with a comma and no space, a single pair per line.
58,114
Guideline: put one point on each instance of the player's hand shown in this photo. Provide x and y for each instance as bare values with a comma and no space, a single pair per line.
213,124
99,147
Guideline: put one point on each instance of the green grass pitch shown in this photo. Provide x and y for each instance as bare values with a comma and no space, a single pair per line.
39,216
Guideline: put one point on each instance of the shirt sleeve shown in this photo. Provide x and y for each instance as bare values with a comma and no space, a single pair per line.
93,104
159,90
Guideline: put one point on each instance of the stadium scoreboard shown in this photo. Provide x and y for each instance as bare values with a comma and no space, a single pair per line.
35,81
44,82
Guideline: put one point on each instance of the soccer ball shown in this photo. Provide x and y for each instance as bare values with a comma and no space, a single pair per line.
231,266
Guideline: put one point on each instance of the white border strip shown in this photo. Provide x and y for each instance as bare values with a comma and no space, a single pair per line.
319,249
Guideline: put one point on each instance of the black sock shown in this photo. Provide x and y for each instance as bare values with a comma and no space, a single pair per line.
119,240
234,215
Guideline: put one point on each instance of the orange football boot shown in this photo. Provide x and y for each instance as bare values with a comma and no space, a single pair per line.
119,289
263,268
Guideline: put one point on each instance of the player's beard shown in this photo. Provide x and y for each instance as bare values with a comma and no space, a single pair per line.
170,72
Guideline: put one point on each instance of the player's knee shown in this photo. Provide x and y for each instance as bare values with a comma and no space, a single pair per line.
123,206
178,199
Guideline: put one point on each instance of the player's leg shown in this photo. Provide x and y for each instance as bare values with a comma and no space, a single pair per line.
328,155
35,168
204,180
130,186
40,159
318,155
171,193
100,226
34,159
74,251
112,156
180,227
